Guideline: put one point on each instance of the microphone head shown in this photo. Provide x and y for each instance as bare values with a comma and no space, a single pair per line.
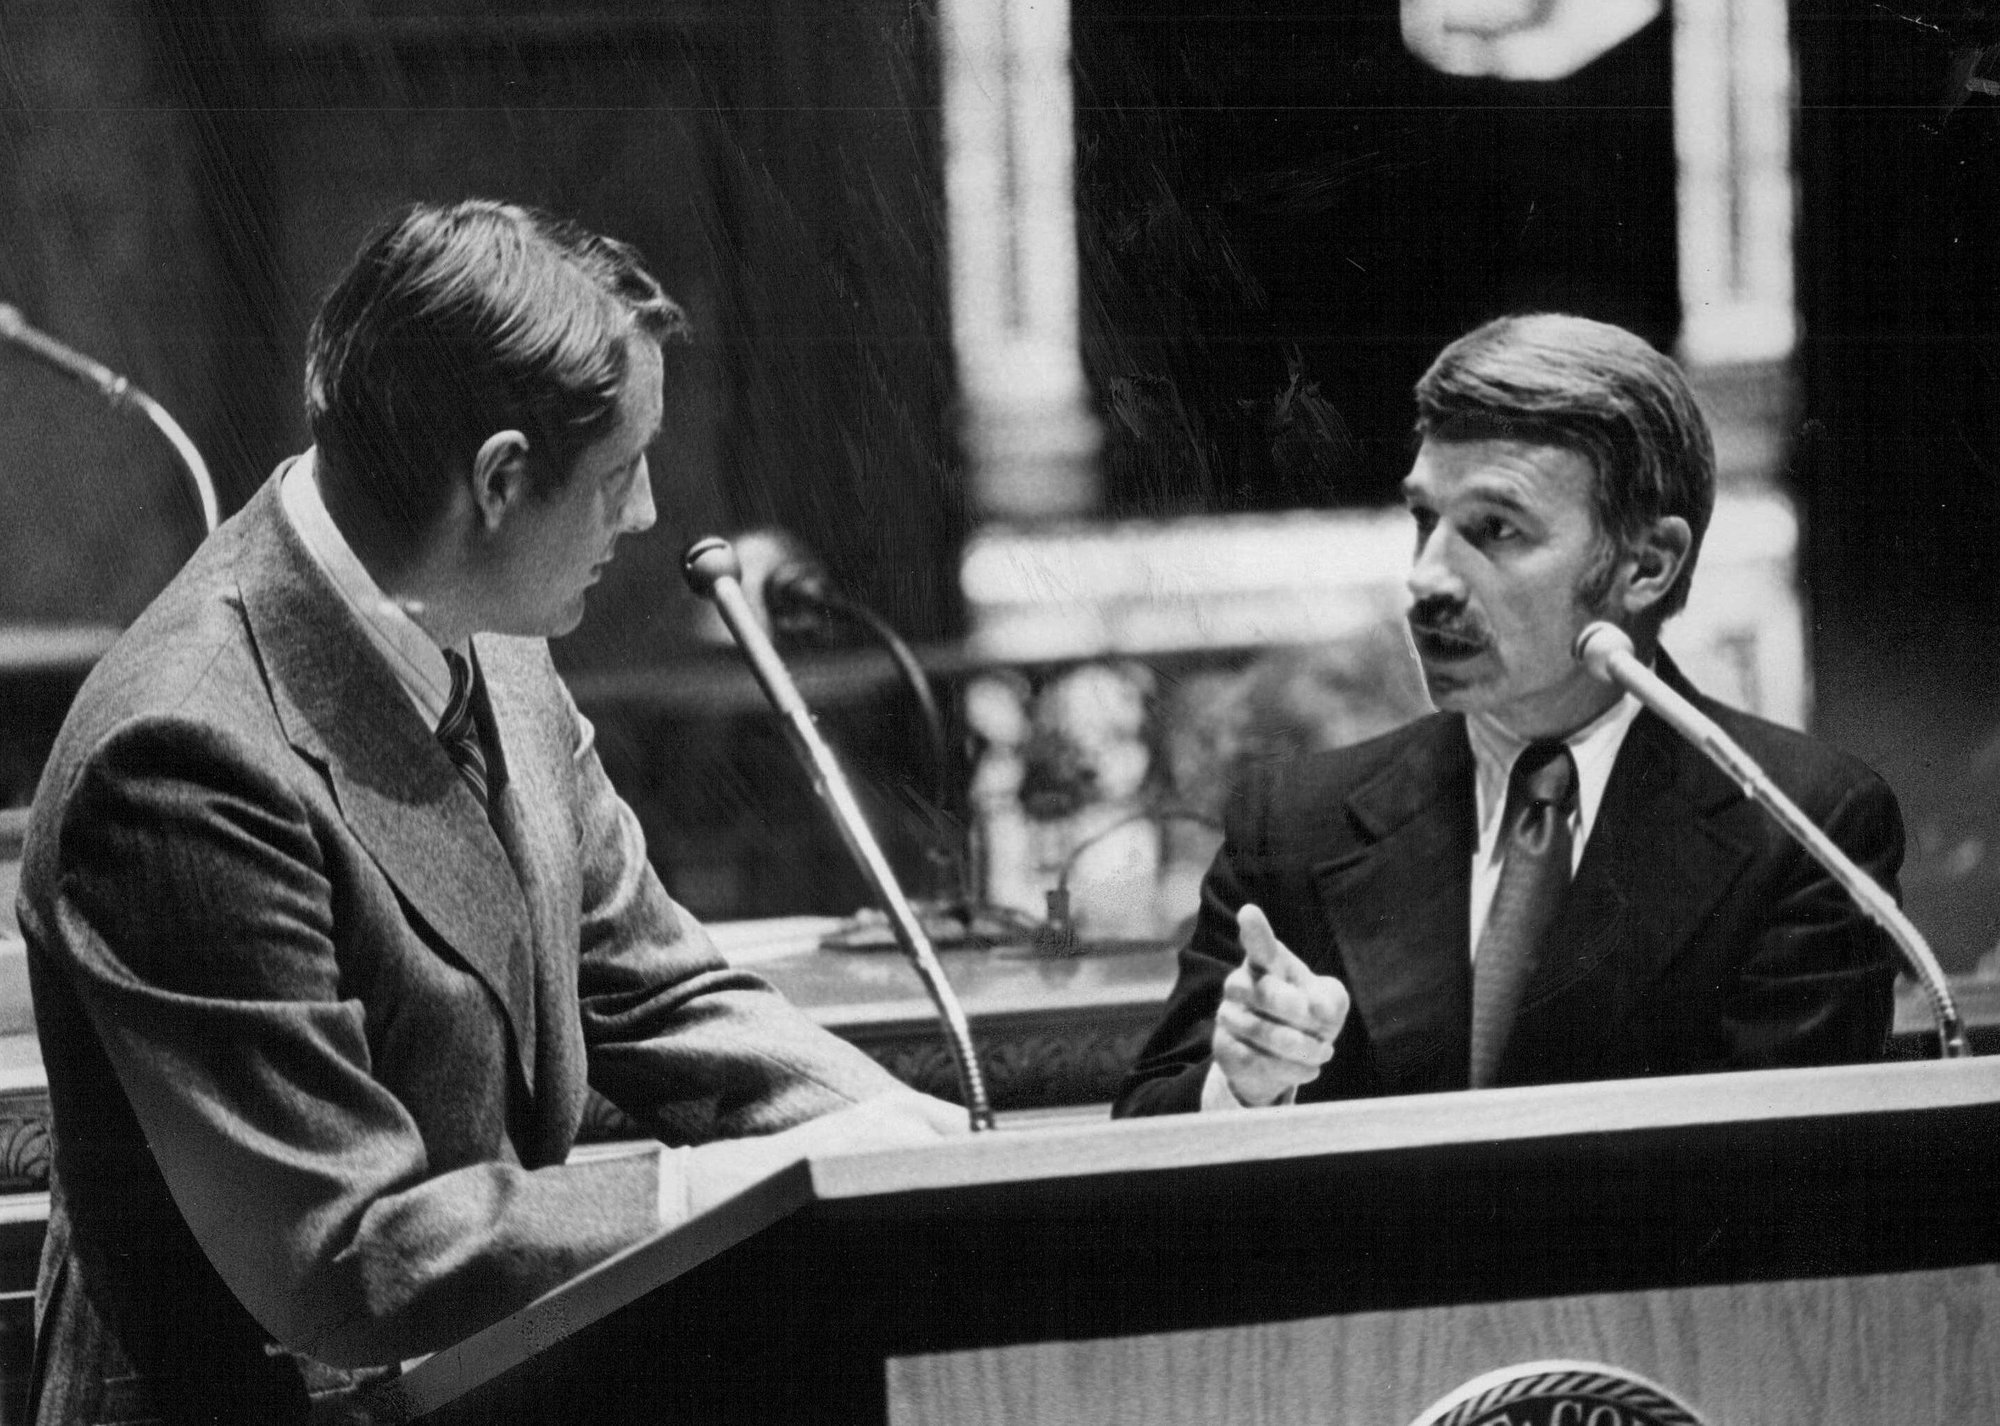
708,561
1597,644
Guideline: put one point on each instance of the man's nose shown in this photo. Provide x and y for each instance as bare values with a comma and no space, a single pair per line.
639,514
1432,573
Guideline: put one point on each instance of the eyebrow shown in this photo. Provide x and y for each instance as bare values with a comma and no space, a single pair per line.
1494,493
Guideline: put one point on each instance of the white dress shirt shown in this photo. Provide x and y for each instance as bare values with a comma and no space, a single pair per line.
1594,748
412,655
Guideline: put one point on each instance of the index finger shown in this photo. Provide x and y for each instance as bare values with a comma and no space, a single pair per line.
1263,949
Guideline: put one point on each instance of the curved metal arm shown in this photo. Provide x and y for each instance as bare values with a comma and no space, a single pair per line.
1875,903
191,461
805,590
1607,651
712,571
905,659
20,333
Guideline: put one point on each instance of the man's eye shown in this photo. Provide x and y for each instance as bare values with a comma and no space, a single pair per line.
1494,530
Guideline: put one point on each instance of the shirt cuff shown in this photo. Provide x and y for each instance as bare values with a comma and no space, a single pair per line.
1216,1095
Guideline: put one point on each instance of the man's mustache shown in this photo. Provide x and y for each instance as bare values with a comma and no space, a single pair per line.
1448,619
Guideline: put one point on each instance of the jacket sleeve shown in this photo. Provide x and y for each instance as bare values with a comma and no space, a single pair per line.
1168,1076
1816,986
194,909
690,1047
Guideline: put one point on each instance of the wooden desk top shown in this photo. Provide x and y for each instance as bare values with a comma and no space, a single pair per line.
859,992
874,996
54,648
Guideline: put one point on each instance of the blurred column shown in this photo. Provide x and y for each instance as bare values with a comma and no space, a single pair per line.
1732,135
1026,427
1733,96
1733,100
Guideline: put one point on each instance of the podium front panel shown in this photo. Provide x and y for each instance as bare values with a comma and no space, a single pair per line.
1905,1348
1784,1246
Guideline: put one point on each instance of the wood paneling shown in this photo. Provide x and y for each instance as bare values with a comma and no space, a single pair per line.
1909,1348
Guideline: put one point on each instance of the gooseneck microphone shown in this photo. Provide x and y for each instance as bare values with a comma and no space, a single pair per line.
1606,650
798,591
16,332
714,573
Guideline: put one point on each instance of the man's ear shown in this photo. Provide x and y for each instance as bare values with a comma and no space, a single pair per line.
1655,561
499,477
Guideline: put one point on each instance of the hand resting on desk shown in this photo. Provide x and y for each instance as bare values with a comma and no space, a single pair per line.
899,1120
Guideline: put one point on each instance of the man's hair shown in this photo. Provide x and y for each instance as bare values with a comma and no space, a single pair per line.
1601,392
456,321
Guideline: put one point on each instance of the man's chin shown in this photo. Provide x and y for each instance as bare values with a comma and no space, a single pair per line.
1457,685
568,620
554,624
1450,696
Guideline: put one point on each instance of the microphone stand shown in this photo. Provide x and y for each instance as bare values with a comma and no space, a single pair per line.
797,596
794,590
1606,650
15,329
714,573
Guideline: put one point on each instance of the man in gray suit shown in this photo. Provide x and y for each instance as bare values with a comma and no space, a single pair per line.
332,915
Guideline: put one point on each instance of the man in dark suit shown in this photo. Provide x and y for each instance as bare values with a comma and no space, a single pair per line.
1540,882
332,916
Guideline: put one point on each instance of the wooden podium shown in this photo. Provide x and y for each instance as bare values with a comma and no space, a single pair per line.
1797,1246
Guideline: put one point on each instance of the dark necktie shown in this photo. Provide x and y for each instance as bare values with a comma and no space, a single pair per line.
1540,793
458,730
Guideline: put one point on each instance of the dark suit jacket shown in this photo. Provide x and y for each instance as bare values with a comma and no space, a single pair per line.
318,1034
1696,935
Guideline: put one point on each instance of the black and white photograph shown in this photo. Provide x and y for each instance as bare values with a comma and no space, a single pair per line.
999,712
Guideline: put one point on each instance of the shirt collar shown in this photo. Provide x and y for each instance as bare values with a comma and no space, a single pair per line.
1594,747
411,654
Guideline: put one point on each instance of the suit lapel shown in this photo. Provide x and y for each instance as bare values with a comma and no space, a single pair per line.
1653,870
532,815
342,708
1398,906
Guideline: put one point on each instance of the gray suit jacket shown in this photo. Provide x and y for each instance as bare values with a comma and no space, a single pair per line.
318,1034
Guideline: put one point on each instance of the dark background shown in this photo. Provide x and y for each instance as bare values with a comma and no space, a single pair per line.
1282,217
1287,199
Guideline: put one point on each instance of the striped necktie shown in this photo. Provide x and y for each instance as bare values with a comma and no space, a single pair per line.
458,730
1541,791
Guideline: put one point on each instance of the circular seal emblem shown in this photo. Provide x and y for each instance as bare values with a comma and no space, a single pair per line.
1560,1394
